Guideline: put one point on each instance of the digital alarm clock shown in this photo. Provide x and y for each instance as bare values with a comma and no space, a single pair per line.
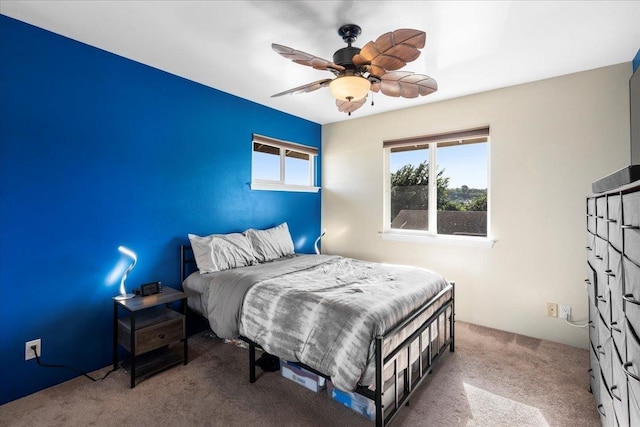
150,289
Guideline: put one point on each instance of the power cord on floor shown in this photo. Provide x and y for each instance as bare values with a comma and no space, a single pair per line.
47,365
570,323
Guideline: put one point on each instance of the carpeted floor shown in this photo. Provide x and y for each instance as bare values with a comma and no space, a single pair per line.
494,378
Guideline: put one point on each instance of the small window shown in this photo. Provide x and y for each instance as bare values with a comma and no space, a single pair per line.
459,193
282,165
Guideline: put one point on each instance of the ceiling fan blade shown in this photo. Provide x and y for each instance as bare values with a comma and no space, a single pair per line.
376,71
306,58
310,87
350,106
405,84
391,51
414,38
367,53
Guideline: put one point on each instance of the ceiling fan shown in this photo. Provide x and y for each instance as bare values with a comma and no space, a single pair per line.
371,68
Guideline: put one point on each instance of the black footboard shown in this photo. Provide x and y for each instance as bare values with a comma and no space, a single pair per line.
407,380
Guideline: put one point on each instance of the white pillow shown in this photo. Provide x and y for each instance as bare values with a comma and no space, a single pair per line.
219,252
272,243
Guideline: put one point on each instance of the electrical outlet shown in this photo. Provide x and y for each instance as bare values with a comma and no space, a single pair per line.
565,312
552,309
28,351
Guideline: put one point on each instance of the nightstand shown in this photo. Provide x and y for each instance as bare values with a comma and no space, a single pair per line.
151,332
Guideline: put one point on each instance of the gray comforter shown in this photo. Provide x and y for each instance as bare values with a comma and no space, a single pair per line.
323,311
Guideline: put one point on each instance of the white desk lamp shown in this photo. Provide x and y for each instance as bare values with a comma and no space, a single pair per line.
123,293
317,242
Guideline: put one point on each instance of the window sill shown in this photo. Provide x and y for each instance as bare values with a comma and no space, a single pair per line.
284,187
478,242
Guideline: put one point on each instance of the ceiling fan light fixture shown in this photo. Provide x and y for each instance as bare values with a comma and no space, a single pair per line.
349,88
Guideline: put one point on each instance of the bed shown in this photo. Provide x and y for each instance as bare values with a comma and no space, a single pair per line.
370,328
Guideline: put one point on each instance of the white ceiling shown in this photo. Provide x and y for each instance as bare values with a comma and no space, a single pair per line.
472,46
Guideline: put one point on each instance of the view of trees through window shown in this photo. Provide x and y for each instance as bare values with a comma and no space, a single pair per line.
461,194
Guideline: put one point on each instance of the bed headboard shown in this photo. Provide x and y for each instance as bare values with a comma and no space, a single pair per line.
187,262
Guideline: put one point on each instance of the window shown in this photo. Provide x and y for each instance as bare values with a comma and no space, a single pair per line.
282,165
460,163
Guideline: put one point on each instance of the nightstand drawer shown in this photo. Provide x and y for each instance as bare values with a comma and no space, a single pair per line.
168,327
159,335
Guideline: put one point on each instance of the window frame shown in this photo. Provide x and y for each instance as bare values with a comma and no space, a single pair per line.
431,235
280,184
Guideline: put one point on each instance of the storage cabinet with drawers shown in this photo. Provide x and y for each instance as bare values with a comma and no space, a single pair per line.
613,286
151,332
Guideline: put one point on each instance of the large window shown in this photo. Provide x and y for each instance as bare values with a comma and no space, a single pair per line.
282,165
455,202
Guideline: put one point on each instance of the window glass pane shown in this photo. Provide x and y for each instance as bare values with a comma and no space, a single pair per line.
409,202
462,189
265,162
296,168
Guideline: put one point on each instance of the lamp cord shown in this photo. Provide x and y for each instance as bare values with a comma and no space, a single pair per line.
47,365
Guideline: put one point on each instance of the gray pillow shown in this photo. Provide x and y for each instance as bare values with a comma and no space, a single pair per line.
272,243
219,252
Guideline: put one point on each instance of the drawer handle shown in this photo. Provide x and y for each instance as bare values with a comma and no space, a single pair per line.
598,257
629,374
589,248
600,351
630,227
600,216
630,298
587,281
609,273
612,220
613,394
600,409
615,329
161,336
603,299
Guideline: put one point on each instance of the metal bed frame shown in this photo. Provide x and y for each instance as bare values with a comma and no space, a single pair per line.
408,379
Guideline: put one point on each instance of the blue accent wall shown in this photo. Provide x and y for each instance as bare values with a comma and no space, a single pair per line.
98,151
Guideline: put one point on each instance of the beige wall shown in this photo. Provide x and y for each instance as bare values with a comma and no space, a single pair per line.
549,140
